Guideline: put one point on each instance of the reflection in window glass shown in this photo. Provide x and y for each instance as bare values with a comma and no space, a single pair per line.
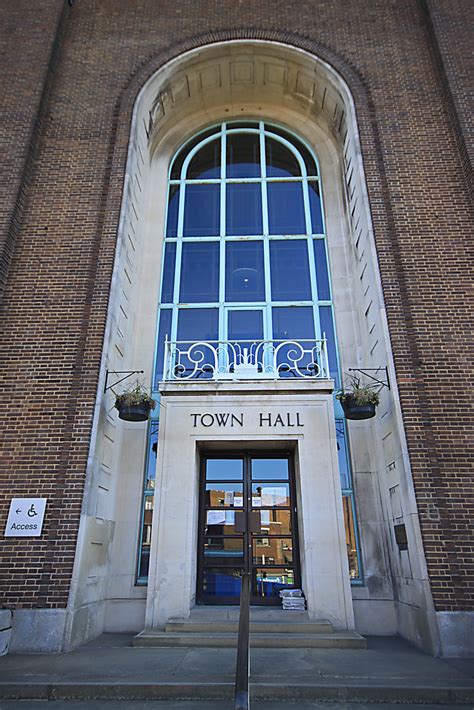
199,272
342,454
244,272
269,469
206,164
293,322
273,551
286,208
223,551
290,270
224,495
281,162
167,286
245,325
243,155
144,552
274,495
351,541
244,209
224,469
269,582
202,211
187,148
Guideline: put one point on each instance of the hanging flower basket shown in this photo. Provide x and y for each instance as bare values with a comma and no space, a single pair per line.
352,410
134,405
358,401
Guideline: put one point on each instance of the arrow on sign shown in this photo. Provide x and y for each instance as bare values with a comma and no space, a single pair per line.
18,510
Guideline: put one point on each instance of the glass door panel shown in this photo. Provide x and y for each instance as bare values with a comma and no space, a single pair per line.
247,524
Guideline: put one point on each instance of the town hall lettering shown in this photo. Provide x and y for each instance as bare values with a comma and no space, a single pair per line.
265,419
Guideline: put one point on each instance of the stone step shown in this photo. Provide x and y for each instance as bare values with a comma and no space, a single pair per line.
337,639
282,626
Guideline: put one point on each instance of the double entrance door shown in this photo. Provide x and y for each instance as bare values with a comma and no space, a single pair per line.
247,523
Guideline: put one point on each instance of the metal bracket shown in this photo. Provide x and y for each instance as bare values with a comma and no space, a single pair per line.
366,371
127,373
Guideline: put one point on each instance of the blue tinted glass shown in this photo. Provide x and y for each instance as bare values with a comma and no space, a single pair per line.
198,324
164,330
281,162
322,277
206,163
173,204
293,322
224,469
245,325
286,208
202,211
268,469
199,272
290,270
342,454
243,155
167,286
244,280
244,209
315,208
150,473
327,328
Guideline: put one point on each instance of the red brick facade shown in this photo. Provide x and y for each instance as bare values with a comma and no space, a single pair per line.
70,79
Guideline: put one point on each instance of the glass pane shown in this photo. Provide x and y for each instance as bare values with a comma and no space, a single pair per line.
242,124
224,495
322,276
198,324
293,323
270,495
351,540
286,208
343,458
199,272
206,163
146,537
244,279
269,469
275,522
173,205
244,209
180,158
150,474
245,325
220,522
224,469
243,155
315,208
225,551
327,328
221,582
167,286
202,211
281,162
290,270
273,551
164,330
269,582
300,147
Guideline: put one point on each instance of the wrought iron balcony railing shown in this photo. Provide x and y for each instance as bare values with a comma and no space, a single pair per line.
245,359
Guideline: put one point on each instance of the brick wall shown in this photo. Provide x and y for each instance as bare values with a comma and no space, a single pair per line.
55,302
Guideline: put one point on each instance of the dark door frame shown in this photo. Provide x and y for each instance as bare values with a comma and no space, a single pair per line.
247,456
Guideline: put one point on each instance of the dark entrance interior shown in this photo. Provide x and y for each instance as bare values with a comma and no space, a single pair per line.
247,523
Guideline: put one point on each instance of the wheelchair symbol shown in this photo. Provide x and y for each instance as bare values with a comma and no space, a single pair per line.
32,512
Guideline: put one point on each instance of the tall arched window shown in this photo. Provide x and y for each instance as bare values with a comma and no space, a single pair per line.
245,249
245,258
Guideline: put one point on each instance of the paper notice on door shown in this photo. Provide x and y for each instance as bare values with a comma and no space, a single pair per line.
229,498
215,517
276,495
238,501
256,502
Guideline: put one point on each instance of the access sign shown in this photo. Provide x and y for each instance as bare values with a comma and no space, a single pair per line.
25,518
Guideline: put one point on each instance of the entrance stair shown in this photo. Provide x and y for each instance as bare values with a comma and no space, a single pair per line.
269,628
